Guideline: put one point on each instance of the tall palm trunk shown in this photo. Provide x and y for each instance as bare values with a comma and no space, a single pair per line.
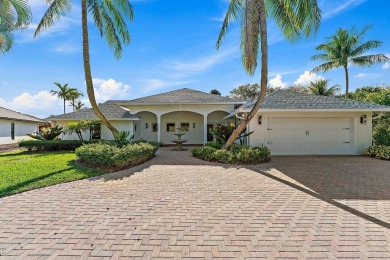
64,105
87,69
263,78
346,81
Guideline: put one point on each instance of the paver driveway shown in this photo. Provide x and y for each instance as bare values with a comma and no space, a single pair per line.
176,206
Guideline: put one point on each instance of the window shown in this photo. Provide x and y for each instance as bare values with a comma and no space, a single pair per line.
184,127
170,127
13,131
154,127
96,132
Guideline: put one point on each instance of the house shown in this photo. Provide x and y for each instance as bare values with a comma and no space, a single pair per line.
288,123
14,126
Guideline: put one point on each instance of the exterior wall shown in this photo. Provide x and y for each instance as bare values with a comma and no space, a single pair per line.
361,133
194,135
140,126
21,129
105,132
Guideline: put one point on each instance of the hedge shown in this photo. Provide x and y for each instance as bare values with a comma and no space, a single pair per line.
103,155
53,145
379,151
238,154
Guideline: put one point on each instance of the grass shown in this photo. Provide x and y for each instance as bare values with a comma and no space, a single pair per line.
20,171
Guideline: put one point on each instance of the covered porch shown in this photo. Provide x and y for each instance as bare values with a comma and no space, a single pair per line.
160,126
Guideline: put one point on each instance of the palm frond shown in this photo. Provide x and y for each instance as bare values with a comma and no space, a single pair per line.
6,41
368,60
56,10
365,47
232,14
23,12
325,67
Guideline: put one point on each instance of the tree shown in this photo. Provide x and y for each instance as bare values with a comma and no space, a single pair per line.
320,87
296,18
14,15
347,47
246,92
77,106
73,95
108,16
215,92
63,93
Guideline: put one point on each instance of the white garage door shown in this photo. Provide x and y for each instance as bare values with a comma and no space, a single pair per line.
290,136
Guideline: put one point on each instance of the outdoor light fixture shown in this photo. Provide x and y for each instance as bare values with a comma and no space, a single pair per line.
363,119
260,120
193,125
146,125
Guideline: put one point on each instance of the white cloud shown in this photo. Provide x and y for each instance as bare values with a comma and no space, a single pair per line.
386,66
39,104
277,82
109,89
361,75
307,77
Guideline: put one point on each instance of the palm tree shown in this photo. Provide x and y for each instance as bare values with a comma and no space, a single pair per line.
14,15
320,87
63,93
296,18
346,47
73,95
108,16
77,106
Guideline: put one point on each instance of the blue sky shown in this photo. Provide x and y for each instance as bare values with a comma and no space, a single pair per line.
173,46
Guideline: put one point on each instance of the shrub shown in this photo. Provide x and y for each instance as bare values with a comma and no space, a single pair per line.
120,138
381,134
238,154
113,157
48,133
53,145
379,151
215,145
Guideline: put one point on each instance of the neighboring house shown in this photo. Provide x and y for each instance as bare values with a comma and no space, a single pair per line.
288,123
14,126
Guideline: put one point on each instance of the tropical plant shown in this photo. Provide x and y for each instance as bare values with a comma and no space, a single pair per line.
73,95
246,92
14,15
77,106
123,138
48,133
222,133
63,92
108,16
346,48
295,18
76,127
215,92
320,87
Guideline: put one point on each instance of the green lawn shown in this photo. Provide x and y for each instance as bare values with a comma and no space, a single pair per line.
21,171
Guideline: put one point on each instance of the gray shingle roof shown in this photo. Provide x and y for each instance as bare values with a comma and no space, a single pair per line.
110,110
183,95
10,114
287,100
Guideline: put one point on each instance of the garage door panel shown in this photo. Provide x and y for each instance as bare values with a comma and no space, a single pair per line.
309,135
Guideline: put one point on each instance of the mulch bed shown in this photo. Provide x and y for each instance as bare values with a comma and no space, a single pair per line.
4,148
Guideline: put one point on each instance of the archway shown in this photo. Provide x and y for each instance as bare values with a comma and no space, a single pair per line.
213,119
146,127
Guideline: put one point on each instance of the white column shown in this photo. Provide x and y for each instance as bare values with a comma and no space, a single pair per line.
205,129
158,128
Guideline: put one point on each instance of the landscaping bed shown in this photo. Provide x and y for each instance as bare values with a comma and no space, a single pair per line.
379,151
238,154
113,158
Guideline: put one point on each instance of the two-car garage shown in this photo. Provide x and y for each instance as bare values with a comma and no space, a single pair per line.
301,136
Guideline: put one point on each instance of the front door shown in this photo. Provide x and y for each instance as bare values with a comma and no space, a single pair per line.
210,136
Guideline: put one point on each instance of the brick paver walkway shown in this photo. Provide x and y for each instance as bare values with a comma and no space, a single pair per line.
178,207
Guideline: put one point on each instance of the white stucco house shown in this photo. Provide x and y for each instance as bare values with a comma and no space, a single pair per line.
14,126
288,123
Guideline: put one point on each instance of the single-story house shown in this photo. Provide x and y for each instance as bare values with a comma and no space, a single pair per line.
14,126
288,123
